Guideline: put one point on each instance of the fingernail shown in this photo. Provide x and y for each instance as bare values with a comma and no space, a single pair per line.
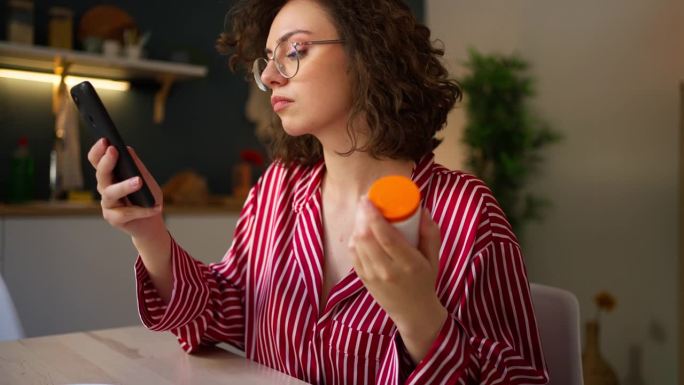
135,181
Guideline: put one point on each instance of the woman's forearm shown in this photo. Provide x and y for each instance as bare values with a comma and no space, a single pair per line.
155,251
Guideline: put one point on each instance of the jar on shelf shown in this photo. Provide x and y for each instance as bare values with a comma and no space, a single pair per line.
20,21
60,28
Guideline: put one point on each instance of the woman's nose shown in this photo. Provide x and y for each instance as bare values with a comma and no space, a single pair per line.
271,77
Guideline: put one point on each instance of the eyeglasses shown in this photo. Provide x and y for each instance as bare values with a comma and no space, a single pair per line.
286,57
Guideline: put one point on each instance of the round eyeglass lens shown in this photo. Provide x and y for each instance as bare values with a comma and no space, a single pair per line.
286,58
258,69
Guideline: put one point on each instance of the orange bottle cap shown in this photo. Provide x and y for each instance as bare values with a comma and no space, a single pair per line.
396,197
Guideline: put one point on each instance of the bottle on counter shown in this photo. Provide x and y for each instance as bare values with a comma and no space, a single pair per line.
398,200
22,174
60,28
57,191
20,21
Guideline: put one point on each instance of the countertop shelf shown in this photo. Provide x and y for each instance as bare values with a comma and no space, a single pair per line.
68,62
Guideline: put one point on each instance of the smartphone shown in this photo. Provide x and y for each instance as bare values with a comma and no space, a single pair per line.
96,117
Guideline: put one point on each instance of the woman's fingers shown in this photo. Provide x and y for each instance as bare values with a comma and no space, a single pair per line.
357,263
120,216
97,151
390,240
113,194
388,237
375,261
105,168
115,210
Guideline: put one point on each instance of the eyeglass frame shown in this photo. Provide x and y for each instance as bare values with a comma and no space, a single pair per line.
294,44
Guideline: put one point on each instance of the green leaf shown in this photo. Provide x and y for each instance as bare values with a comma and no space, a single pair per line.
504,136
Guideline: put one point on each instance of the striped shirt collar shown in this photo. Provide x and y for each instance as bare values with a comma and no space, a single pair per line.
308,187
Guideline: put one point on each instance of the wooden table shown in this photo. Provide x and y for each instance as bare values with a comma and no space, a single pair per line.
131,355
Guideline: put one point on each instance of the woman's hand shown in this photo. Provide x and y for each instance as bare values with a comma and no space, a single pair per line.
400,277
145,225
116,210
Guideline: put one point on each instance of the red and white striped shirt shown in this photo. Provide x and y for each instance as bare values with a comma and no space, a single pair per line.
263,296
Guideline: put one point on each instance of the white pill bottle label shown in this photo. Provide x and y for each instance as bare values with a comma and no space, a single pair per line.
410,228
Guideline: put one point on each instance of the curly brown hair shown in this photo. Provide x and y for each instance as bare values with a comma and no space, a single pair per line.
398,84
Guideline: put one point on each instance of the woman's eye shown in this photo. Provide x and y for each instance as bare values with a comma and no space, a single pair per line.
292,54
294,51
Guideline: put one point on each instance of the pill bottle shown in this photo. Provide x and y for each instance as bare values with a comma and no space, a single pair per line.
398,200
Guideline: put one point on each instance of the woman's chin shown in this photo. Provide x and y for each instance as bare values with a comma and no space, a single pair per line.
294,130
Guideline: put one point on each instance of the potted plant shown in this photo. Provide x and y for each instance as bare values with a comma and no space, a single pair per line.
504,135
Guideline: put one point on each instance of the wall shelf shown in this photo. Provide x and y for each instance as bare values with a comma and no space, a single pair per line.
68,62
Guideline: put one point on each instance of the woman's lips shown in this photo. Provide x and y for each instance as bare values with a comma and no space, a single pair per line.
279,103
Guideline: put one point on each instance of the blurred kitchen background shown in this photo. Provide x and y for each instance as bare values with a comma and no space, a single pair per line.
608,78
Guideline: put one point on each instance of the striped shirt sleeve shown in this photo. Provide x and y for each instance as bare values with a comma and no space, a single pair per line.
206,304
493,339
490,336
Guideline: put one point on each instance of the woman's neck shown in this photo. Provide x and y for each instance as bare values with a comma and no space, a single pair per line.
347,178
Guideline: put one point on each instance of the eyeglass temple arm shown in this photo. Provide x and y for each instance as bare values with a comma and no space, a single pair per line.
313,42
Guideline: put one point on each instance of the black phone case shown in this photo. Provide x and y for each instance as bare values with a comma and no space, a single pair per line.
95,116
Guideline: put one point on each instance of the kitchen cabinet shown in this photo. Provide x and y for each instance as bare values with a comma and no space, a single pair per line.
70,273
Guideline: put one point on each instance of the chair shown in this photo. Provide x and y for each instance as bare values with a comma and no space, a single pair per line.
558,321
10,327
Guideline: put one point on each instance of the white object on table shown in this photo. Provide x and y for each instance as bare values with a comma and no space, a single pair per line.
10,326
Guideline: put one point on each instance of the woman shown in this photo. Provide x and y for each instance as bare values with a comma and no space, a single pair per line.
316,283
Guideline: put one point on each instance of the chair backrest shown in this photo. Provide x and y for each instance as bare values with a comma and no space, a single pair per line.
558,320
10,327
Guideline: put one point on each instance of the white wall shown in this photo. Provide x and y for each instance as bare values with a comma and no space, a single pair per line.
607,78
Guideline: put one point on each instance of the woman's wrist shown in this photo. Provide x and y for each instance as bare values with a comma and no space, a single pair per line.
419,333
152,234
154,246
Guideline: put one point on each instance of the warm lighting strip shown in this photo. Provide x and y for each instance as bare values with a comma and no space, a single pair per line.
104,84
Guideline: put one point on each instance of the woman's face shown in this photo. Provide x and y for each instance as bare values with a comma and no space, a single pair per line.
318,98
